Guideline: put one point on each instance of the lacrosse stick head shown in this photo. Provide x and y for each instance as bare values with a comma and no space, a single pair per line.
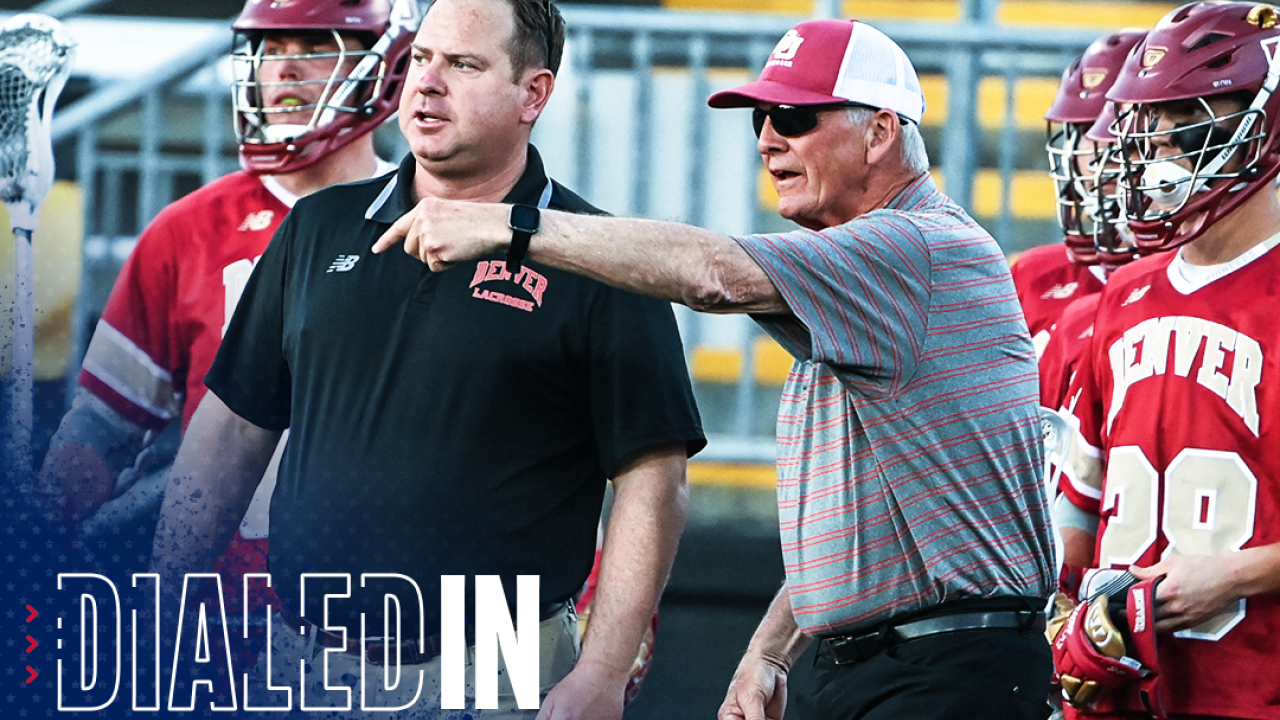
35,60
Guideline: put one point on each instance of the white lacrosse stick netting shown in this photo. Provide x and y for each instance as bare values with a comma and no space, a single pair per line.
1059,434
35,60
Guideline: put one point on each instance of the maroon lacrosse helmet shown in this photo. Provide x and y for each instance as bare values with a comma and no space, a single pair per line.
1080,99
1082,92
1112,239
350,103
1195,53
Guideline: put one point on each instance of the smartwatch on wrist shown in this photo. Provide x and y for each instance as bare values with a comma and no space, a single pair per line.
524,222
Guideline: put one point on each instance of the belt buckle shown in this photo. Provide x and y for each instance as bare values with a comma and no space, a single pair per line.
1032,621
851,649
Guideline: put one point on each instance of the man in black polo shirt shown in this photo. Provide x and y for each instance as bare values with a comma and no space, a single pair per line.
458,423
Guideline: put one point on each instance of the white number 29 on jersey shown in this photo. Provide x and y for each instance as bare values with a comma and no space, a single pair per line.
1210,498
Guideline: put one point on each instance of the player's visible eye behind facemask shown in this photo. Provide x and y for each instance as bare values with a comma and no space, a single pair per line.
276,102
373,39
1196,153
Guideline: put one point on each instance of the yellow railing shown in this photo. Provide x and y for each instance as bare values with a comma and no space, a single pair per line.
770,363
740,476
1031,194
56,256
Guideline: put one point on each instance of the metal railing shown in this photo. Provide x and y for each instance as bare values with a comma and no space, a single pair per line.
628,128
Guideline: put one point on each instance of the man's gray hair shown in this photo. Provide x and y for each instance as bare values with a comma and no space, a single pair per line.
914,156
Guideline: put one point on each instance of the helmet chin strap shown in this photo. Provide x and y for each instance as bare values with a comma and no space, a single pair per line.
281,133
1169,185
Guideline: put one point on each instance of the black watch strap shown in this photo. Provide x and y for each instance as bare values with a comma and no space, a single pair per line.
524,221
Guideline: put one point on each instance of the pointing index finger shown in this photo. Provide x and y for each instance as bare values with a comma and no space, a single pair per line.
398,231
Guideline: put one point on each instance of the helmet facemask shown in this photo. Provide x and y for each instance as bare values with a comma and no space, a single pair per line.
1171,175
1113,242
1075,162
326,106
1075,154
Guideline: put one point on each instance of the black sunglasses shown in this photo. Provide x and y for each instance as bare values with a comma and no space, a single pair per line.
793,120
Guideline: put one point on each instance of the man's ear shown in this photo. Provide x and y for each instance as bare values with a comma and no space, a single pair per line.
537,85
883,129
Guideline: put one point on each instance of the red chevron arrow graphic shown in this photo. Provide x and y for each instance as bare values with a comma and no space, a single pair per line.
33,672
33,644
33,614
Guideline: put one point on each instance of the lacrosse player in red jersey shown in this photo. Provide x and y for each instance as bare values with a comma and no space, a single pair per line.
144,368
1179,453
1051,277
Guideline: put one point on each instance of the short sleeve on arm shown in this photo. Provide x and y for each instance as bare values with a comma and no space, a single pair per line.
1083,475
1053,370
640,392
861,291
136,362
250,373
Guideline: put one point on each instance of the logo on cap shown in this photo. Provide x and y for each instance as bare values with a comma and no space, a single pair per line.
1152,56
785,51
1092,78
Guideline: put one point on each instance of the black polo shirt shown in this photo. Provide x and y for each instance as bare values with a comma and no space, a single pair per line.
454,423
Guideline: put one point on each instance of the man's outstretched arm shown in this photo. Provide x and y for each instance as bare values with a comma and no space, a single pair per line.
221,461
705,270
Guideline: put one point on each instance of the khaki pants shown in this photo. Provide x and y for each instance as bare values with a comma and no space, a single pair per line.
558,647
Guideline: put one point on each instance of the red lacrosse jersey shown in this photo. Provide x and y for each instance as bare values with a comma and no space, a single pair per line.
1174,407
1047,280
1067,347
164,320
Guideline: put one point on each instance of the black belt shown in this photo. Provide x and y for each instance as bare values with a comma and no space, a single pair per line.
380,651
858,647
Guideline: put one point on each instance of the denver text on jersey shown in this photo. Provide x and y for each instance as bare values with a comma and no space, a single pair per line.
100,649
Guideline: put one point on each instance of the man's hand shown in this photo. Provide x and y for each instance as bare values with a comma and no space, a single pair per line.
758,691
442,233
590,691
1195,589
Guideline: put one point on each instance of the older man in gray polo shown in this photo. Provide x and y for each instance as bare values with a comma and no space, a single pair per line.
914,524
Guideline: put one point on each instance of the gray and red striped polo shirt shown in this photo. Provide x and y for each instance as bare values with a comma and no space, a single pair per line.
909,440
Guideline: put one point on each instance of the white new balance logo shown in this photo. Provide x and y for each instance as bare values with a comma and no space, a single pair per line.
260,220
343,263
1060,291
1136,295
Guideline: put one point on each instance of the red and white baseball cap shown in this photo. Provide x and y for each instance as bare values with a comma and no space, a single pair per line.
831,61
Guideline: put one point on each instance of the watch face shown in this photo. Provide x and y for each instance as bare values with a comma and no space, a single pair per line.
524,218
